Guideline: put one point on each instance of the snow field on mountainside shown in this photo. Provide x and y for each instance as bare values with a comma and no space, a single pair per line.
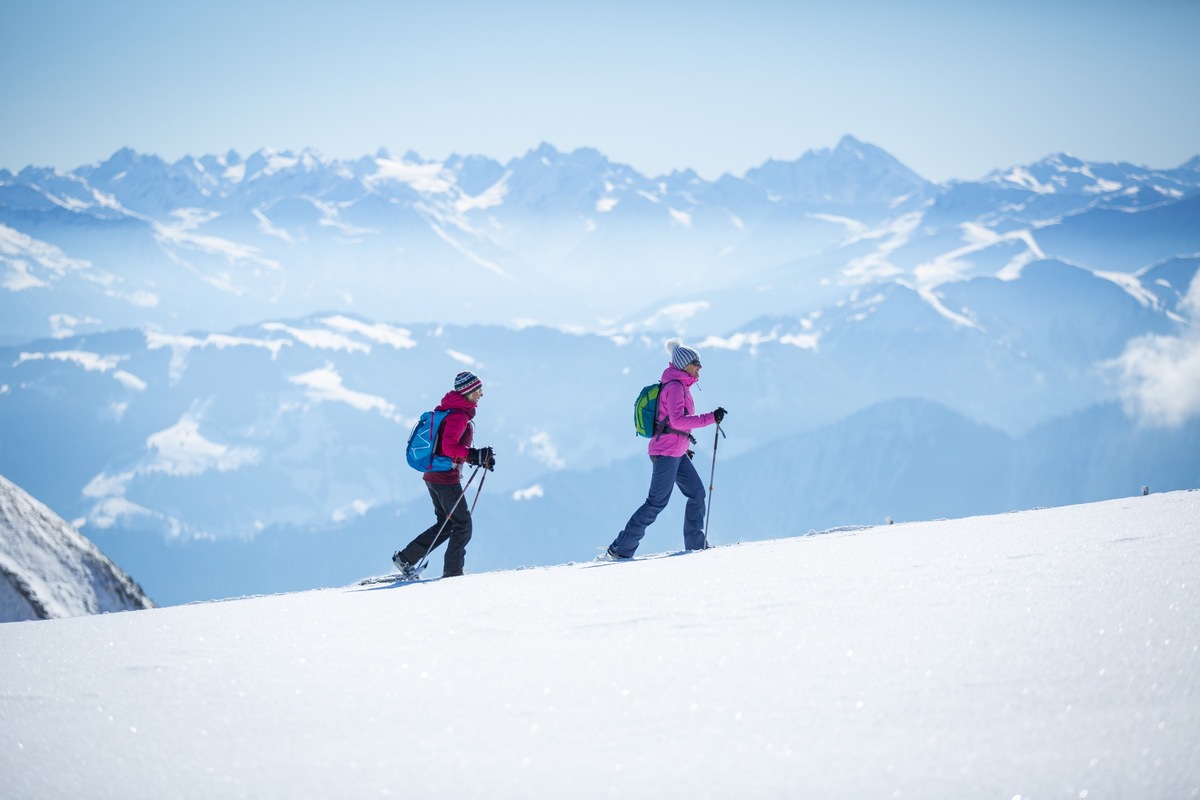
1051,653
48,569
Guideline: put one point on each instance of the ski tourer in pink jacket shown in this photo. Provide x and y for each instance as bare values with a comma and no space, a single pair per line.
677,413
669,455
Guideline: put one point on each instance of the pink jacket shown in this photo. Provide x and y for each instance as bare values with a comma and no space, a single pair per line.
456,435
676,407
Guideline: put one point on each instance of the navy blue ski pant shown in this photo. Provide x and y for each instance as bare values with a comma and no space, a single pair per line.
668,473
457,530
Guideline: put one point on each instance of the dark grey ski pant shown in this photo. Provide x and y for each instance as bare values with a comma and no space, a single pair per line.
457,530
668,473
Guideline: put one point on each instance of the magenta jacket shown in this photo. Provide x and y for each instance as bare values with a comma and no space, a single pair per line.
676,407
456,435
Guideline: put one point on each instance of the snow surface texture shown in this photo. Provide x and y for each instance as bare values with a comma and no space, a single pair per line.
1043,654
48,569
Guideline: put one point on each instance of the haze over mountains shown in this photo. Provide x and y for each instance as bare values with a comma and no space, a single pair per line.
561,238
222,356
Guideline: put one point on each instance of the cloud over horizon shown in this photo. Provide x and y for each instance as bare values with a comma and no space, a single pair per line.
1160,375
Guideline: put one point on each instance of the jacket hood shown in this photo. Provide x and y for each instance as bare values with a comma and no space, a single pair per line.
674,373
453,400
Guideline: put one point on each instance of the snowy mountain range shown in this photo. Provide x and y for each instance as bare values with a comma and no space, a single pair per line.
210,366
560,238
49,570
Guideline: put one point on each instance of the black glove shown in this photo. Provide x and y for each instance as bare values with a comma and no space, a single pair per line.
691,454
719,414
481,457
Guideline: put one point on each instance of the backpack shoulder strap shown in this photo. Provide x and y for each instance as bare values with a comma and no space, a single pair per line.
437,446
662,426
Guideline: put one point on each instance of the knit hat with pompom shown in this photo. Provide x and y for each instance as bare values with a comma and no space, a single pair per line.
681,356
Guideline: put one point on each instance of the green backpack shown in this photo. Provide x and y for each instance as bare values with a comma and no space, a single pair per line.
645,411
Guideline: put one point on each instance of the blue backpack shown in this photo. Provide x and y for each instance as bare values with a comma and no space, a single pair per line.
422,449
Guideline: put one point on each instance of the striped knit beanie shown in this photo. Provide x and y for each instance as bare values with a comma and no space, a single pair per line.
681,356
466,382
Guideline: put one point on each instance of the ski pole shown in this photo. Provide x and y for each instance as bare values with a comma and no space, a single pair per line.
711,476
478,490
420,566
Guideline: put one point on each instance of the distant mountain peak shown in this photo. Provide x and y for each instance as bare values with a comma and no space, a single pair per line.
850,145
49,570
126,158
851,173
544,150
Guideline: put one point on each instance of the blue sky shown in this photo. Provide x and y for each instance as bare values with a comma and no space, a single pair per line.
952,89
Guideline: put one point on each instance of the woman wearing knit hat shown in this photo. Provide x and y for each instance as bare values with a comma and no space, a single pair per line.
671,457
445,487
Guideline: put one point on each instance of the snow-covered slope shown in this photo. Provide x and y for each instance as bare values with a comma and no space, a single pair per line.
1042,654
48,569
